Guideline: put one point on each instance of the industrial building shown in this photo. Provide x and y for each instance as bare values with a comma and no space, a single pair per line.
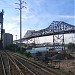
7,39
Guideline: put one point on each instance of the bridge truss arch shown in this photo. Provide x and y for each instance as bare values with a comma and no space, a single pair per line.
57,29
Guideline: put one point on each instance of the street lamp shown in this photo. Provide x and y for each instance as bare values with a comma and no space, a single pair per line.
16,43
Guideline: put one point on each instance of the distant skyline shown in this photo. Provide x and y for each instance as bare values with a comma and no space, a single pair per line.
39,14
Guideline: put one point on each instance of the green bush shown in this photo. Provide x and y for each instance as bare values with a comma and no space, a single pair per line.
15,48
28,54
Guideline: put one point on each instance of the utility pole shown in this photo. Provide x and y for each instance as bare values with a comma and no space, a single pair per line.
20,8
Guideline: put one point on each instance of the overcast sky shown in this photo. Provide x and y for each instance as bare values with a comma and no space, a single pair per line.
38,15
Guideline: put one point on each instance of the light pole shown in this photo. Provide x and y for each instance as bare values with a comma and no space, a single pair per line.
16,37
16,43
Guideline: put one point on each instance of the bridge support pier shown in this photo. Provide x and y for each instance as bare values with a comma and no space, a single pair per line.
58,39
58,42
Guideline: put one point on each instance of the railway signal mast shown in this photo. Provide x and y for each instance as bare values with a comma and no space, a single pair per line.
20,8
1,29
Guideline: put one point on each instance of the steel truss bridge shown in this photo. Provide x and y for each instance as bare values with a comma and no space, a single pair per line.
56,28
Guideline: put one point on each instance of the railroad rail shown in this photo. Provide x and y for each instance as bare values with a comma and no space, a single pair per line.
5,64
2,69
9,66
36,68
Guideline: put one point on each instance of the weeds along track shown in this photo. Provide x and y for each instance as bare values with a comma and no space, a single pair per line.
36,68
9,66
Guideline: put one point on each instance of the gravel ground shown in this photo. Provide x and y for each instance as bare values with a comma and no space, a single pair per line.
68,65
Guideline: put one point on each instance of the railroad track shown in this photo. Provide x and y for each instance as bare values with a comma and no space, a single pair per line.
9,66
2,69
36,68
5,64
